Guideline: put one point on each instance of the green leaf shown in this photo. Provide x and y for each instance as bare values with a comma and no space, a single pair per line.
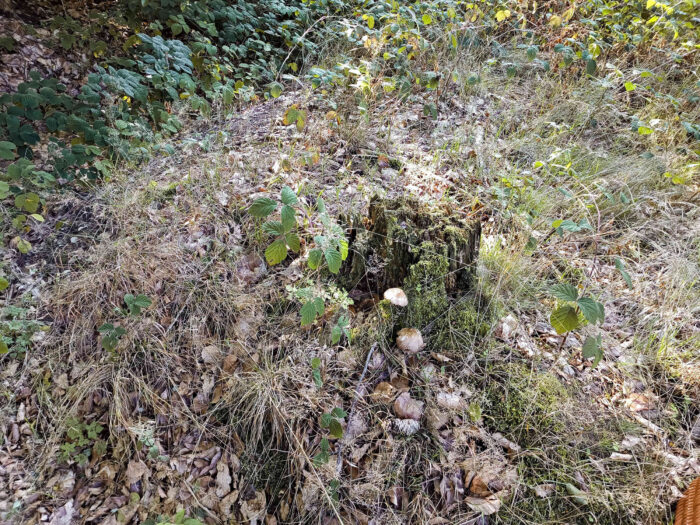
592,349
643,130
276,252
308,313
3,347
427,20
273,228
629,86
591,66
577,495
564,319
293,242
334,260
275,89
336,334
4,284
592,310
336,429
320,205
321,459
621,268
315,363
315,257
288,218
370,21
565,292
326,420
27,202
319,305
288,196
7,150
262,207
23,245
338,412
344,247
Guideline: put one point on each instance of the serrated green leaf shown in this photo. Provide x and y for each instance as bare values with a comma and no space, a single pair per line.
565,292
335,429
288,217
262,207
276,252
288,196
315,257
592,310
333,259
592,349
321,459
273,228
338,412
293,242
319,306
326,420
308,313
564,319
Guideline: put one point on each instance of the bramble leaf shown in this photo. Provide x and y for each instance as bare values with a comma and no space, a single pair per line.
564,319
565,292
276,252
262,207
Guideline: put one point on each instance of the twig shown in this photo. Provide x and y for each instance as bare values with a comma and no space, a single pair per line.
354,404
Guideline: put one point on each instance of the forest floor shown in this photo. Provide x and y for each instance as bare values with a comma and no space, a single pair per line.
212,397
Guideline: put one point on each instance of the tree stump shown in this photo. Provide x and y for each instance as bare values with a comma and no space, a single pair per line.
401,235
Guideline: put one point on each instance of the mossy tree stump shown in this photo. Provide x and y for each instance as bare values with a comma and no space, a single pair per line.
428,252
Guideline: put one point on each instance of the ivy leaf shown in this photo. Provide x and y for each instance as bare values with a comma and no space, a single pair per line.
592,349
565,292
288,218
276,252
334,260
293,242
315,257
262,207
564,319
308,313
336,429
288,196
621,268
592,310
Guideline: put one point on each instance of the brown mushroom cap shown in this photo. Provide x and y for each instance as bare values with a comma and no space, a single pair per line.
396,296
409,340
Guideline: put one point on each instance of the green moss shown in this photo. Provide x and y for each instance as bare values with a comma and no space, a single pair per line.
526,402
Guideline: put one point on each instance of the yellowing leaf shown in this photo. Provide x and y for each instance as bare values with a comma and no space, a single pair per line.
427,20
502,15
555,21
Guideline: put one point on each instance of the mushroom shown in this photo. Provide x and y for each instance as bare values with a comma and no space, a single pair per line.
396,296
409,340
405,407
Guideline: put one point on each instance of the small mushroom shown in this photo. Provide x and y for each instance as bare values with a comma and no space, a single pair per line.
405,407
396,296
409,340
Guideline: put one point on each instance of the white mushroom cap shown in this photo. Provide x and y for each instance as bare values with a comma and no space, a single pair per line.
409,340
396,296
